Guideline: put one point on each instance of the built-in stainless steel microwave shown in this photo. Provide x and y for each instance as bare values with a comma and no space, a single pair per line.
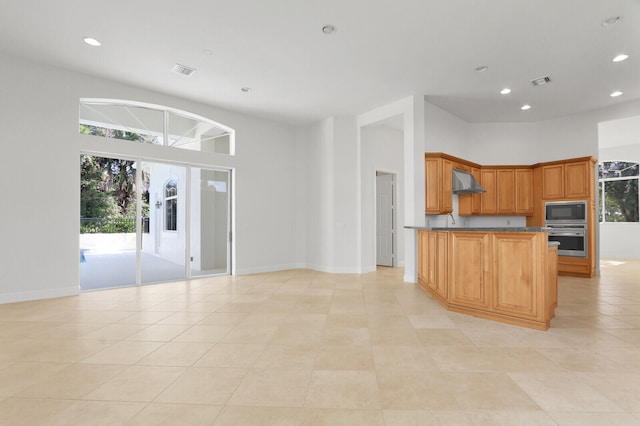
565,212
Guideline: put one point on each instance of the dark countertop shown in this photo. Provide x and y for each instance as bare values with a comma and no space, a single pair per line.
485,229
492,229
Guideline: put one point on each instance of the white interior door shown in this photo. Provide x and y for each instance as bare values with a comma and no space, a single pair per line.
384,219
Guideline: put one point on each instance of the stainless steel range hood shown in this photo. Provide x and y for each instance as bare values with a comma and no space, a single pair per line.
464,183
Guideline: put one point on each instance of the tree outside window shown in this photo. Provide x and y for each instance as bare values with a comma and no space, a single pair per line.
618,186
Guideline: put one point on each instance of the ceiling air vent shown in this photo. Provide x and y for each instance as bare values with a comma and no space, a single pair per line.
183,70
540,81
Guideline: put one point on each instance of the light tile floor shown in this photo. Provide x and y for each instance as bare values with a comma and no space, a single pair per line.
309,348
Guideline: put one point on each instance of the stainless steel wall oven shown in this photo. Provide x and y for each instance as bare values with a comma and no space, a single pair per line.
568,223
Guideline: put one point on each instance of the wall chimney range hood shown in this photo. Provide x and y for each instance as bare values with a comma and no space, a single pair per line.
464,183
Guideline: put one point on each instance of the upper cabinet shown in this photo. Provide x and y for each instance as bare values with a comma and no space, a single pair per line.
489,198
568,179
506,191
438,195
524,191
509,189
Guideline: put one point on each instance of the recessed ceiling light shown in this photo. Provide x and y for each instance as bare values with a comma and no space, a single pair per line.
481,68
615,94
207,52
505,91
329,29
621,57
92,41
525,107
246,89
611,21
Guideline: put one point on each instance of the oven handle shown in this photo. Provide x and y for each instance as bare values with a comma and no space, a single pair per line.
566,234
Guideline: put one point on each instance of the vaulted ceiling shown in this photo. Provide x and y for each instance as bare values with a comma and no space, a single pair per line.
380,51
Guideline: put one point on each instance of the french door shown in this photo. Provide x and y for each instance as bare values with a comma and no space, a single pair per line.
172,222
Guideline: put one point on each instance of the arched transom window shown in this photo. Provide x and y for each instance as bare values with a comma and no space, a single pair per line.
154,124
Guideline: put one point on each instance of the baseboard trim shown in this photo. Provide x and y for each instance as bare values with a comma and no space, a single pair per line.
50,293
272,268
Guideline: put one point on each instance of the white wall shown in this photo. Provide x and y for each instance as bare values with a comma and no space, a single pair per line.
577,135
345,196
503,143
444,132
382,150
40,213
617,133
329,156
318,174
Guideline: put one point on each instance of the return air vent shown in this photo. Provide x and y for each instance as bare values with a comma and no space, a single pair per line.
183,70
540,81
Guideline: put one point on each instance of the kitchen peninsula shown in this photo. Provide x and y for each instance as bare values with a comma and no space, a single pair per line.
503,274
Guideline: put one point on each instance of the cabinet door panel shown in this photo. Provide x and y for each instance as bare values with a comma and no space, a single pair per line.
516,281
432,185
442,264
469,204
423,255
432,250
489,199
506,191
447,195
524,191
576,180
470,270
553,182
475,198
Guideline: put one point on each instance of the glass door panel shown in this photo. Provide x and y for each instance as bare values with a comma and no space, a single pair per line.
210,223
107,222
162,252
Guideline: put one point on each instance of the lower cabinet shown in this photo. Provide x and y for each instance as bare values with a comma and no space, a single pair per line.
504,276
433,264
518,275
470,269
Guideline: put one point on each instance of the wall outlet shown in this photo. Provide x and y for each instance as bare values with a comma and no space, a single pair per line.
508,222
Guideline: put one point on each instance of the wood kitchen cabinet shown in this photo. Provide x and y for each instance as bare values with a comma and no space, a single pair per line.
423,258
567,180
524,191
470,278
517,274
503,276
553,182
438,195
509,192
433,261
442,264
489,198
578,179
470,204
506,179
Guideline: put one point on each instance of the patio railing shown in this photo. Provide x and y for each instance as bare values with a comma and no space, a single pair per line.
101,225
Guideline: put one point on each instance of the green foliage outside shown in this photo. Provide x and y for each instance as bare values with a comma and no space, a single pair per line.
108,191
619,179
